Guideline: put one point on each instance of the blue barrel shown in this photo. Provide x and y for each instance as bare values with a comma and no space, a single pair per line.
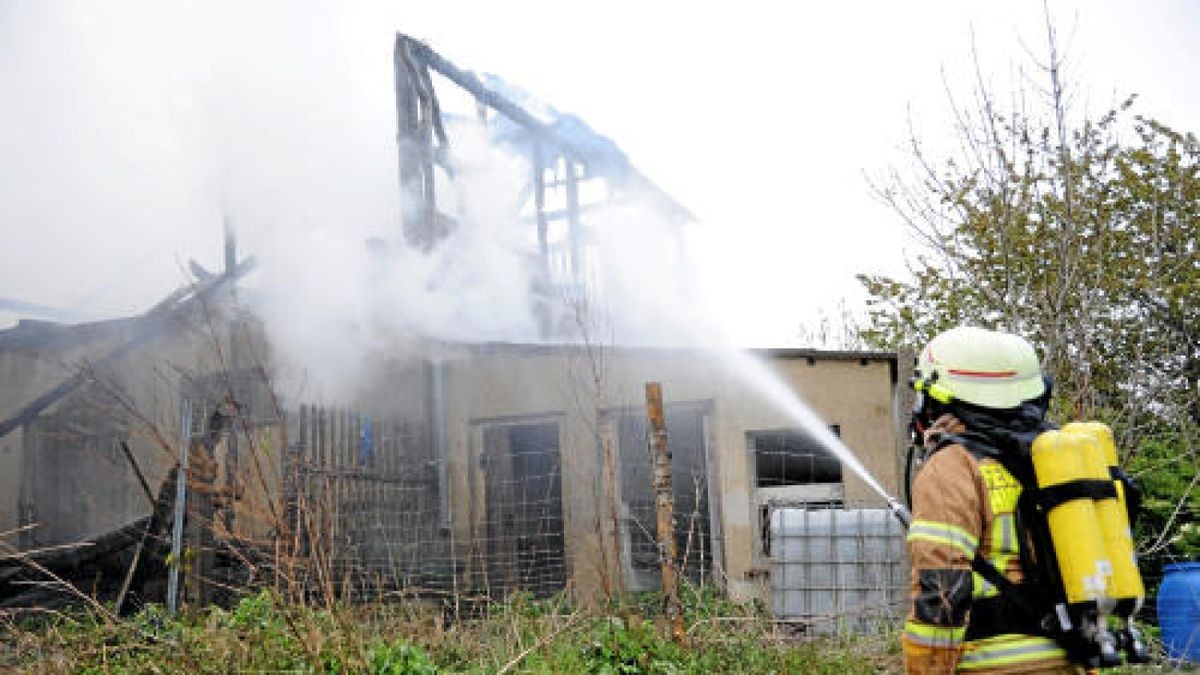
1179,611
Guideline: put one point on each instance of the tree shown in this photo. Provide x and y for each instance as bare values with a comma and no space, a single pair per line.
1080,234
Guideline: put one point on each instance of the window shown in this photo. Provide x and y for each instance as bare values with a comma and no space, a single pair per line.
793,457
689,478
792,467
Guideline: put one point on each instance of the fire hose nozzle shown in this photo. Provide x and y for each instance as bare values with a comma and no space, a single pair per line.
899,511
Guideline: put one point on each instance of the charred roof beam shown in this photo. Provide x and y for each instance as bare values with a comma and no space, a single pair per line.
149,325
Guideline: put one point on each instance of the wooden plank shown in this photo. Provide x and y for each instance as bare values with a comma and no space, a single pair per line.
137,471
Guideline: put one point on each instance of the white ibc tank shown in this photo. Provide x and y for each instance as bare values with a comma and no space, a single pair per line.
838,570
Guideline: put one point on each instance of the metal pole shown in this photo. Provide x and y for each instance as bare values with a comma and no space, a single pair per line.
610,486
181,480
665,507
437,395
27,492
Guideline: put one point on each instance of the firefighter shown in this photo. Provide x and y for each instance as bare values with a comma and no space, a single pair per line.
980,394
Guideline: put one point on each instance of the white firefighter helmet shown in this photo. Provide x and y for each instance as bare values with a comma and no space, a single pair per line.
982,367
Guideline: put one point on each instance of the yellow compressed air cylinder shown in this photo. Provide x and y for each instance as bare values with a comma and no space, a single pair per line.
1074,529
1101,458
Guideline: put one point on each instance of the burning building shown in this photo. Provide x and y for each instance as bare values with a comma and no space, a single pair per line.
461,463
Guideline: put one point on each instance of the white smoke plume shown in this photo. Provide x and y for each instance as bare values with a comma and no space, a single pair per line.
334,298
131,128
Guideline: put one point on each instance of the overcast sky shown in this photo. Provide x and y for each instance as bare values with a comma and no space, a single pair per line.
126,128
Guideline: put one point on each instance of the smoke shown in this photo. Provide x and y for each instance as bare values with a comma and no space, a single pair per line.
334,299
133,128
645,279
136,126
129,127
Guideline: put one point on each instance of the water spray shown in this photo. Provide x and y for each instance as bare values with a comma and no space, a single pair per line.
789,403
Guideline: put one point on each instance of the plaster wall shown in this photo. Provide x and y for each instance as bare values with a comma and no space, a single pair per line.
457,393
577,386
139,390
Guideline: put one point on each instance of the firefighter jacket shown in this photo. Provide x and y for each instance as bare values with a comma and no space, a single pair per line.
963,506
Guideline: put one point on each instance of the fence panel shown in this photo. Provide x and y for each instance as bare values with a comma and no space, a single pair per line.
364,501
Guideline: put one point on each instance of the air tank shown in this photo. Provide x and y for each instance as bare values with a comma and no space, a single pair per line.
1100,458
1085,569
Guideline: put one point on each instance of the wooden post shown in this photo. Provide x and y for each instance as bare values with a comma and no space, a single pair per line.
544,275
235,380
418,119
418,231
664,506
574,226
617,570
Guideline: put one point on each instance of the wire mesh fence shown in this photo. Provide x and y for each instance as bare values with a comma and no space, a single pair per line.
520,543
332,503
369,507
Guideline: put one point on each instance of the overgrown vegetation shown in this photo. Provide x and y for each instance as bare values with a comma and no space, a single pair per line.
1080,233
262,634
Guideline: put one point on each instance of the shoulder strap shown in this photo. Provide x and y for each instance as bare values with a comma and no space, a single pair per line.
1020,465
1023,599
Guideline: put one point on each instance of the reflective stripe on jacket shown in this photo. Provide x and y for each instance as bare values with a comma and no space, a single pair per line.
962,506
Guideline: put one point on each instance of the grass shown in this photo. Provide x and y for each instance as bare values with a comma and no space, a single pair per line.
261,634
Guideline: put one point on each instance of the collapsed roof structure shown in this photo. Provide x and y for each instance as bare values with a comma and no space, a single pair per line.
573,172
